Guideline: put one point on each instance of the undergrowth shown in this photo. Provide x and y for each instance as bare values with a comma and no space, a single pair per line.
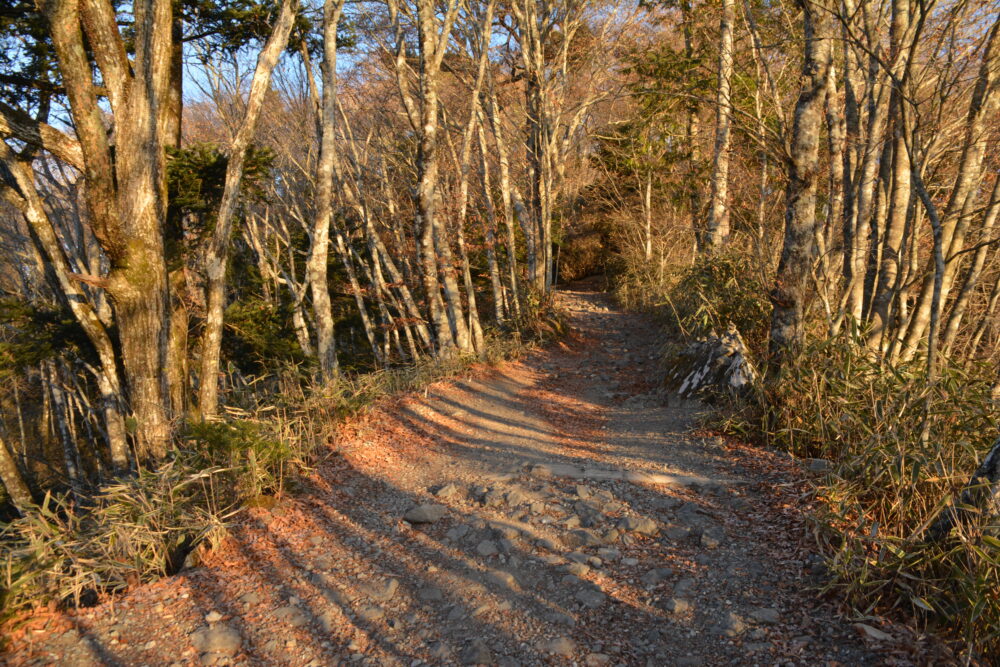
892,476
74,547
900,449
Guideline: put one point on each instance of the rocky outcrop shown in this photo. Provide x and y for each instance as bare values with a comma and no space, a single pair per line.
716,365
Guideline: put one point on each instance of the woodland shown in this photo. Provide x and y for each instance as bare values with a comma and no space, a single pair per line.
227,224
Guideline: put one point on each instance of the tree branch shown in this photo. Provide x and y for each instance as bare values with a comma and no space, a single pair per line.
19,125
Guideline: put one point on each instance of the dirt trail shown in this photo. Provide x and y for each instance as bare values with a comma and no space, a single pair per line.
583,520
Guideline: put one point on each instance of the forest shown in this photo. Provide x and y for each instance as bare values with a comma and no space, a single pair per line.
227,226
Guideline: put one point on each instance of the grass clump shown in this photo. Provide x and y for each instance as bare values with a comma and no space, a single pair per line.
901,448
130,531
707,295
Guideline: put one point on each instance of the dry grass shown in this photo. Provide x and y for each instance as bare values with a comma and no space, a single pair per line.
890,480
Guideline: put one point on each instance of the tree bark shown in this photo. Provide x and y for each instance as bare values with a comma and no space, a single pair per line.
718,218
217,253
13,481
316,265
790,293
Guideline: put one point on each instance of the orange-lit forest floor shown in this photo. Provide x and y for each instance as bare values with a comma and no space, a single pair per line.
576,516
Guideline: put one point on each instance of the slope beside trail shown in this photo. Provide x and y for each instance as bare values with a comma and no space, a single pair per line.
576,516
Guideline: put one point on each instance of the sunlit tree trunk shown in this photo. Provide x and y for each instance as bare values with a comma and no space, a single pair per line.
900,199
316,265
791,282
957,214
217,253
718,213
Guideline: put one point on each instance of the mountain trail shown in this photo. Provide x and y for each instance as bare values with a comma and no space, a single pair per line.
560,509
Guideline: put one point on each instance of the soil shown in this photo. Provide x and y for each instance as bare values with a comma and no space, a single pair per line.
573,513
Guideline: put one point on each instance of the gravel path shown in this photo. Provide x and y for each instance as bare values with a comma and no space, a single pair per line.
555,510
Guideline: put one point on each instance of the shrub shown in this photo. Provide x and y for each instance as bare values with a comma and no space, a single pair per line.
728,287
901,447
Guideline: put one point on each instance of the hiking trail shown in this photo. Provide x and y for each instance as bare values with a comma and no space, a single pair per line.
559,509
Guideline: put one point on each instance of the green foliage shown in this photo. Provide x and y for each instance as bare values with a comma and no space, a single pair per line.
668,79
255,456
258,334
32,333
728,287
196,178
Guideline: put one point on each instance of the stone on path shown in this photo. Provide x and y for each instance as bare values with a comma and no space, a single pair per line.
477,653
382,590
712,537
582,537
430,594
656,575
638,524
559,646
426,513
677,606
486,548
220,639
732,625
588,597
371,613
448,491
292,615
501,578
766,616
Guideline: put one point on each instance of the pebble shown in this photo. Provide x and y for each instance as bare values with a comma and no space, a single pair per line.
712,537
371,613
430,594
638,524
477,653
294,616
486,548
732,624
766,616
501,578
448,491
656,575
382,590
677,606
582,538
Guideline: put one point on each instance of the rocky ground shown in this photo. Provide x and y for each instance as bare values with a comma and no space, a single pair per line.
555,510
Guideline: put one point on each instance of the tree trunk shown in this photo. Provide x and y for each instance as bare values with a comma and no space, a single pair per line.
217,253
791,282
45,237
718,215
13,481
316,265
